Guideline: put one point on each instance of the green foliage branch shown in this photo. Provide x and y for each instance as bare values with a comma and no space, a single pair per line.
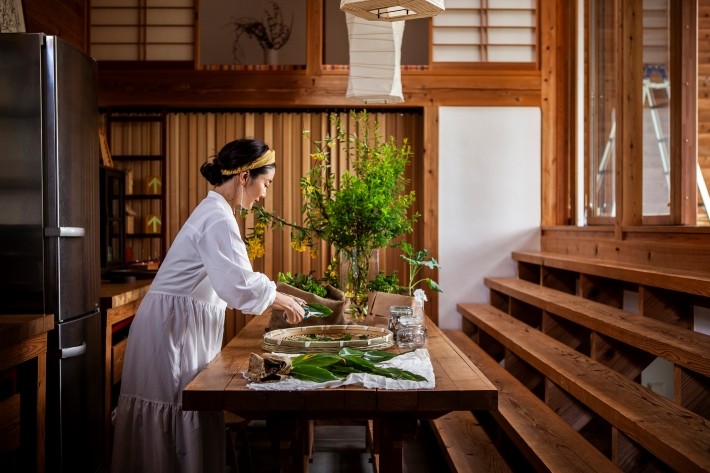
367,210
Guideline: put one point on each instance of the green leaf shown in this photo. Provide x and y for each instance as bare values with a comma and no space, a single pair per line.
379,356
434,286
360,362
313,373
375,356
343,370
397,373
314,309
320,360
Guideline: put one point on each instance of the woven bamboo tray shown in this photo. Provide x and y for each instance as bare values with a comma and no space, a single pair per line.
378,338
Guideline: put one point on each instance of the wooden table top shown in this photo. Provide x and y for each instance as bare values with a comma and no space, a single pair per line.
16,328
460,386
118,294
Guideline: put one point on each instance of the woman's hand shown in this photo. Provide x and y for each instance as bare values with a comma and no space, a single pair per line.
291,305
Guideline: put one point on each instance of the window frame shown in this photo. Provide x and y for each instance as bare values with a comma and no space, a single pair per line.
629,132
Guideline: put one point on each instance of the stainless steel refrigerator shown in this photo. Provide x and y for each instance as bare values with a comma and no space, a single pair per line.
49,229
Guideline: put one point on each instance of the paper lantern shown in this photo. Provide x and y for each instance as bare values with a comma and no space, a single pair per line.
392,10
375,51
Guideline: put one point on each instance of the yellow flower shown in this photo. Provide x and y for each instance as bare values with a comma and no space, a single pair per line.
299,246
255,249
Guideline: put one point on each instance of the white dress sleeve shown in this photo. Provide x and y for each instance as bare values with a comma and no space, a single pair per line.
225,259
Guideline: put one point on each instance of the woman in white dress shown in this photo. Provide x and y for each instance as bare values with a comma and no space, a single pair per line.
178,327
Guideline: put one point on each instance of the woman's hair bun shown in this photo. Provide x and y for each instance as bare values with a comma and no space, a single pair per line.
211,172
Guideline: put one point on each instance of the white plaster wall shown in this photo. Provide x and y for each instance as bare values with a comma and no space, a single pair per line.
489,198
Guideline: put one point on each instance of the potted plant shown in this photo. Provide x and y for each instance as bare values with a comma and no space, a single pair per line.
367,210
271,34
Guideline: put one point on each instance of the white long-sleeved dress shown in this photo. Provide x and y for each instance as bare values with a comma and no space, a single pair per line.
175,333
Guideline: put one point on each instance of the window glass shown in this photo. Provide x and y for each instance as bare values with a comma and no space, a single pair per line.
656,108
603,98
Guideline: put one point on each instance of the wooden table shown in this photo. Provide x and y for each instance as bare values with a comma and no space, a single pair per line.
460,386
23,346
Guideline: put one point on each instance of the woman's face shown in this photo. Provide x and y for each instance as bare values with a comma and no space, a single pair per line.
255,188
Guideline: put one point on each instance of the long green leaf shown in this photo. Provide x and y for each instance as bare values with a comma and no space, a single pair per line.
314,309
359,362
313,373
404,374
317,359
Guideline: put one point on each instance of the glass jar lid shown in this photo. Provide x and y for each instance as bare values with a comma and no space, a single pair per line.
409,320
401,311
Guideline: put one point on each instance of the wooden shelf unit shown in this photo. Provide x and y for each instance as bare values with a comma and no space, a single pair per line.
138,146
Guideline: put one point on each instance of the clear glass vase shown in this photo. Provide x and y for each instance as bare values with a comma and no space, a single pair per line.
357,269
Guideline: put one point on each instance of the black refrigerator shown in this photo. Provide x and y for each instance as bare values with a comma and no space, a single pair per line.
49,229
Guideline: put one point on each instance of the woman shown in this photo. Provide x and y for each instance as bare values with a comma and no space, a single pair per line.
178,327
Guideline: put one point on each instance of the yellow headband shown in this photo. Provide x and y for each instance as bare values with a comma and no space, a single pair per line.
264,160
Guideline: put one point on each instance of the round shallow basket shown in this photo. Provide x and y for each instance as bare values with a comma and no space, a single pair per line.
307,339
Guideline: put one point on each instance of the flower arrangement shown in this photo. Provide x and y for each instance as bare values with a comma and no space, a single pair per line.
366,211
274,33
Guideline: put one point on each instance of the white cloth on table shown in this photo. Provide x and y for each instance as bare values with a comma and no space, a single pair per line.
417,361
176,332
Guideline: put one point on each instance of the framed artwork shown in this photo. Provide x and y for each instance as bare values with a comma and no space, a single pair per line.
11,18
247,32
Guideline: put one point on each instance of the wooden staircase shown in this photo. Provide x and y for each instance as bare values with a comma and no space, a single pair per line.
558,335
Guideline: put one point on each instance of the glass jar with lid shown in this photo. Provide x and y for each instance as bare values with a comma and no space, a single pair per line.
411,333
396,312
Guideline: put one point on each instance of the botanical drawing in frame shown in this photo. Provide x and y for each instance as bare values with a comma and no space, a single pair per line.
240,31
12,19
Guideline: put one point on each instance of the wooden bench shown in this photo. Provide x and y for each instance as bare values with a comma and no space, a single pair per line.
687,282
673,434
543,437
679,345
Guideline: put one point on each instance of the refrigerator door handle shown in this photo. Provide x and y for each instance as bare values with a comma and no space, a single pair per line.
64,232
73,351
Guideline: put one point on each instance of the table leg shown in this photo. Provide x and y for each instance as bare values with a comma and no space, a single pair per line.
292,435
391,432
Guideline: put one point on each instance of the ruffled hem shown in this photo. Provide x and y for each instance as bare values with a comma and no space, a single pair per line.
160,437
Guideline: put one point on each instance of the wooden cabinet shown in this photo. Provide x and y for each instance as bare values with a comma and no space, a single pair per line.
23,364
119,304
137,142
